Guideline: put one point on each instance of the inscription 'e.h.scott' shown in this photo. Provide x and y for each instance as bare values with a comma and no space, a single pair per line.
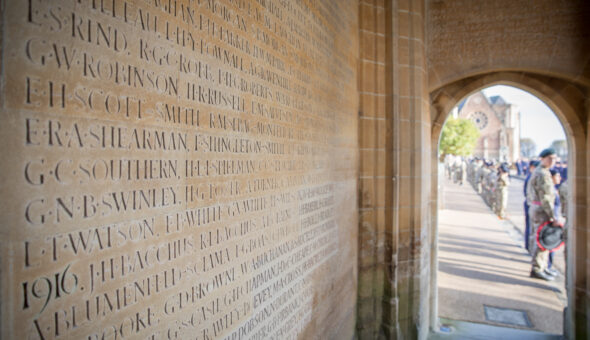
177,168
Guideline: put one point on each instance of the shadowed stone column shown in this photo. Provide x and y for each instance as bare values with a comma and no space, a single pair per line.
375,196
395,180
411,175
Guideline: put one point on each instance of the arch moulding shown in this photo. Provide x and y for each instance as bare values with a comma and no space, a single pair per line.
569,102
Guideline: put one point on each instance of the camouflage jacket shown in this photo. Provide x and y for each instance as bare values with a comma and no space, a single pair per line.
541,191
480,174
490,179
503,181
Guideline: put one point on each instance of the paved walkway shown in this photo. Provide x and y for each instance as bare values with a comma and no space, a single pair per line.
484,274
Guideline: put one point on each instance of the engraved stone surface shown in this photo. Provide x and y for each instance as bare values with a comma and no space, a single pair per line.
178,169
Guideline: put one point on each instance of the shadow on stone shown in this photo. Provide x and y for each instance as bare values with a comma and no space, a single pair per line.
462,270
478,252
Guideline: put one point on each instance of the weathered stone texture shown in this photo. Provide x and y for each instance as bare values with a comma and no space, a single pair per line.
394,184
179,168
468,37
191,168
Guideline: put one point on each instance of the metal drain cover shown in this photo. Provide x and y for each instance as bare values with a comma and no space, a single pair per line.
507,316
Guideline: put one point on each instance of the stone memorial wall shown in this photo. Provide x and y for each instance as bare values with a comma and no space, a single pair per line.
178,169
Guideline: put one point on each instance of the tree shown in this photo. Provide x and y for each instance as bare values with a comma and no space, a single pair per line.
459,137
560,147
528,148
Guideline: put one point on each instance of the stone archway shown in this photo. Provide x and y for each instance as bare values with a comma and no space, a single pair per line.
567,100
417,59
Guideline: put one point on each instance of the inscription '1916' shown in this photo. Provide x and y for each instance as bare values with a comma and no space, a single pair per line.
180,166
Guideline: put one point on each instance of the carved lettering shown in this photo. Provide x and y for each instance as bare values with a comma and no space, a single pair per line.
178,168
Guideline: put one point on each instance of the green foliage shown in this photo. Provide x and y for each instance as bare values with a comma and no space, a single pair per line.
459,137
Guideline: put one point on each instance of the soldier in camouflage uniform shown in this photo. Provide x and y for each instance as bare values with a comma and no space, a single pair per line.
493,180
463,171
485,186
481,175
475,172
449,159
528,235
564,191
541,198
471,170
502,191
490,180
456,169
460,171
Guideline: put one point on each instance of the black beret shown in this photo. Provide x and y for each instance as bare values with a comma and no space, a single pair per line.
547,152
534,163
504,168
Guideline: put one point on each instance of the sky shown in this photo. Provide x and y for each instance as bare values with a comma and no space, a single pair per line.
537,120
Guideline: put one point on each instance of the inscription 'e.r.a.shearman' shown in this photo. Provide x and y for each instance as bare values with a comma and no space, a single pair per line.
179,168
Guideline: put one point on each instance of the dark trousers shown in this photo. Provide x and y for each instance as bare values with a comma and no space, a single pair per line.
527,228
527,232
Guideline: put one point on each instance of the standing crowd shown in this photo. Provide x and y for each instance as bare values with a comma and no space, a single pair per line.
489,178
545,189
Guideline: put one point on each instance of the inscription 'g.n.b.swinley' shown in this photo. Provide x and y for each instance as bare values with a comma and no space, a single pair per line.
177,169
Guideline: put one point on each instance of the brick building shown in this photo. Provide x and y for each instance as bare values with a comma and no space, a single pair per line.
498,123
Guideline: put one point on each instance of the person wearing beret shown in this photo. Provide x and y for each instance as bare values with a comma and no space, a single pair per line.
463,177
490,185
556,177
541,197
494,199
502,190
475,173
481,174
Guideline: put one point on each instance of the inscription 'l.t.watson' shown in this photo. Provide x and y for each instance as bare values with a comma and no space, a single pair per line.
178,169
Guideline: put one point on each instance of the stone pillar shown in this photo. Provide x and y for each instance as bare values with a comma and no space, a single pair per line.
577,316
375,197
394,179
413,201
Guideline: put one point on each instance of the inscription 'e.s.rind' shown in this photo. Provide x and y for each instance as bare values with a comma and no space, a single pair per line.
180,166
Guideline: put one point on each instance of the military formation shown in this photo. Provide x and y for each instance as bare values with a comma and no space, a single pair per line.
546,191
490,179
